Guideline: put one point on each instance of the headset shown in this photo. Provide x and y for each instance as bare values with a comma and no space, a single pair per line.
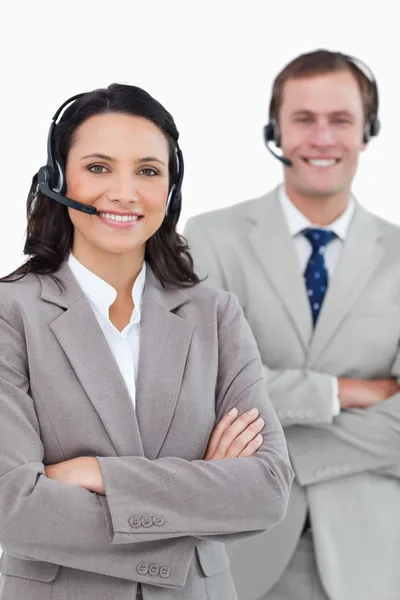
372,126
51,177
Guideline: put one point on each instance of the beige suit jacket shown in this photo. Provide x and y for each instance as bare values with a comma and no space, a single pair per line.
166,512
347,469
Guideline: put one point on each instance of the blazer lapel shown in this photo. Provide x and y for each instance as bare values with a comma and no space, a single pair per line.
271,242
165,340
86,348
360,257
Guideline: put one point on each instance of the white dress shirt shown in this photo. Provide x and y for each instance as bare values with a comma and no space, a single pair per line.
296,222
124,345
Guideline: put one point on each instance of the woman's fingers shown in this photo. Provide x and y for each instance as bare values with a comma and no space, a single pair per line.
241,442
252,447
230,433
218,432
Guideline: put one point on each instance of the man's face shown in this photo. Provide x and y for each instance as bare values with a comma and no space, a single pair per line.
321,121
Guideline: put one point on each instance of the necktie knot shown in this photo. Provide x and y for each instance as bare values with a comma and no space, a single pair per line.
319,238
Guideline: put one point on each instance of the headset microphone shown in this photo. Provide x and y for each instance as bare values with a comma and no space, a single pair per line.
47,191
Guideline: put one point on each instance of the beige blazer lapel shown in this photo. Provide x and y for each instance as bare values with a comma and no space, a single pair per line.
164,345
271,241
88,352
362,252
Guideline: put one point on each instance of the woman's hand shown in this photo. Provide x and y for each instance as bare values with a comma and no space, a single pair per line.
83,471
236,437
233,437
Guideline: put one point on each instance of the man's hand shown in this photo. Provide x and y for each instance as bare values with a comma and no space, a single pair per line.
236,437
83,471
363,393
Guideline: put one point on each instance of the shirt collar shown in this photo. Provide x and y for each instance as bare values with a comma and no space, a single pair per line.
296,221
102,294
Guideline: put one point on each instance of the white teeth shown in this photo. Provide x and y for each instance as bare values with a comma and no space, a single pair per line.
320,162
119,218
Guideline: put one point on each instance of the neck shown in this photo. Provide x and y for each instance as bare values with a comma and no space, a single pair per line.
118,270
319,210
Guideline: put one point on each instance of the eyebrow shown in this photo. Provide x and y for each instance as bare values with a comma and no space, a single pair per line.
111,159
298,113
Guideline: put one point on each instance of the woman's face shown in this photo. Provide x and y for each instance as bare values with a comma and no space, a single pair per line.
117,163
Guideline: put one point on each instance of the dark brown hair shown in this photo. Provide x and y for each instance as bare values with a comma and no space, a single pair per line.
49,232
320,62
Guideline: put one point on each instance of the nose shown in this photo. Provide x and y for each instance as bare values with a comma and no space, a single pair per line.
124,190
322,134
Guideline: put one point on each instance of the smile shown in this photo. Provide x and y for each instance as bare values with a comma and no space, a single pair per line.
119,221
321,162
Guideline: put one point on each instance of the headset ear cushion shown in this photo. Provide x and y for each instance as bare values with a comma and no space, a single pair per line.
58,185
367,133
272,133
170,195
269,133
44,175
375,127
371,129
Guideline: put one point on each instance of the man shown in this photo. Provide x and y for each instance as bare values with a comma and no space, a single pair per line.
318,278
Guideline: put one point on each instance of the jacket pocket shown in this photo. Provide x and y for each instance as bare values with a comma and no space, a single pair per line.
212,557
29,569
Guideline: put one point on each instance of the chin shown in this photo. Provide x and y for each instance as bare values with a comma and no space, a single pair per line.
319,190
119,247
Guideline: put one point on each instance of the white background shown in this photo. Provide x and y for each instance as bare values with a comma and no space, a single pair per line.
211,64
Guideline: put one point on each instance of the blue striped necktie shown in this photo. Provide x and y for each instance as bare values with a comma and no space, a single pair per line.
316,274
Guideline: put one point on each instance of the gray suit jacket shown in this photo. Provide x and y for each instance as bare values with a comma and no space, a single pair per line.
166,512
347,469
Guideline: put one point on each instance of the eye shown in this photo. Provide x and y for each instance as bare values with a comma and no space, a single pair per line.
97,169
148,172
342,121
303,120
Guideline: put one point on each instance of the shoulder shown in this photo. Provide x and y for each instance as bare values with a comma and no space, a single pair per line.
389,230
225,219
17,295
209,303
216,314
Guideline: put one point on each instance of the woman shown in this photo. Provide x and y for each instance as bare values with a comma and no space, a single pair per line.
115,481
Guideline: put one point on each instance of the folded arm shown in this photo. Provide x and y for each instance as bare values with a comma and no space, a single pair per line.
220,499
45,520
360,440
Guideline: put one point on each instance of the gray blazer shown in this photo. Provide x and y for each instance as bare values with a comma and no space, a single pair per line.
347,469
166,512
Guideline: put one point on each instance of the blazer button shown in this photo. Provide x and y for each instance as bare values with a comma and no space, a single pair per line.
154,570
142,569
165,572
147,522
159,521
135,522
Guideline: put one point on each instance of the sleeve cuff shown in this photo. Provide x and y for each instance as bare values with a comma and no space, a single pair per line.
335,397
